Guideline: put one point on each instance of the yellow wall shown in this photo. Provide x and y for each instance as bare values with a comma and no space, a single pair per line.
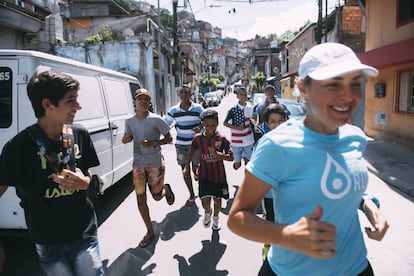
381,29
399,127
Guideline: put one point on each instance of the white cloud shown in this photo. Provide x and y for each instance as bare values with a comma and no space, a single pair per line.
290,19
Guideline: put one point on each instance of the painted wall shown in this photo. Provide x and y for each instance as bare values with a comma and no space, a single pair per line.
381,24
389,49
381,120
130,56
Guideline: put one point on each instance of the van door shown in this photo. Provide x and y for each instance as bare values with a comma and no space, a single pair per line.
11,214
120,108
93,116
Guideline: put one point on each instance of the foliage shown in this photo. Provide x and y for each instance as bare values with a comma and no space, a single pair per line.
259,79
124,3
272,36
166,18
105,34
210,81
253,87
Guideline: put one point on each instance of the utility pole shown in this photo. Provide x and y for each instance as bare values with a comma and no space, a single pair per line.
160,63
176,47
319,26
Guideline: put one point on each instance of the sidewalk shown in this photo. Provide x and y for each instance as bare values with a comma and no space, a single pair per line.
393,163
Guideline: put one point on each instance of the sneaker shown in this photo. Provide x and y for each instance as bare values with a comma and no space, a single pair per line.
216,224
207,218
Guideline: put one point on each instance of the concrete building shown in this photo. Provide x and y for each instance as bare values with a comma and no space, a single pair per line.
389,113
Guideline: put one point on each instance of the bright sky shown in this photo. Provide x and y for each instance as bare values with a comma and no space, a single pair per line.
263,18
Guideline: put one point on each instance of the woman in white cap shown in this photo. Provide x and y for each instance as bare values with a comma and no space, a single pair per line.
315,169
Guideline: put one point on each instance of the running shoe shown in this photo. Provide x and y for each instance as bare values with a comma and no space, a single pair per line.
207,218
216,224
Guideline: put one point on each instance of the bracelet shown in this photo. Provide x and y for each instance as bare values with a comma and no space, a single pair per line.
373,198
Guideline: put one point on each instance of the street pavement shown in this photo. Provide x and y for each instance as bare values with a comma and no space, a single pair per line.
183,246
392,163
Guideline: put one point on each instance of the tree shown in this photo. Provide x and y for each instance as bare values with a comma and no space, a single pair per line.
105,34
166,19
259,80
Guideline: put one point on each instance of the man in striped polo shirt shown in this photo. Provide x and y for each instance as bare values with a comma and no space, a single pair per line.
186,117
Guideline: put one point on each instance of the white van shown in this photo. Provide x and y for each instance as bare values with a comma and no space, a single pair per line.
106,100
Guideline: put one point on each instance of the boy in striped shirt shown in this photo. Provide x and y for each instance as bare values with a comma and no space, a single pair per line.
186,117
213,148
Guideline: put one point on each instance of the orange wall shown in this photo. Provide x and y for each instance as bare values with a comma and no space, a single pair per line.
381,24
389,48
399,127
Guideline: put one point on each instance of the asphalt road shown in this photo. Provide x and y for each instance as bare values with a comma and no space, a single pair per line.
183,246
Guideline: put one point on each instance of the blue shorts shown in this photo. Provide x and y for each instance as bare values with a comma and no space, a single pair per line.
182,152
242,152
77,257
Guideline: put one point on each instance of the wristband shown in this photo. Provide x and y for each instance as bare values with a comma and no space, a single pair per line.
367,196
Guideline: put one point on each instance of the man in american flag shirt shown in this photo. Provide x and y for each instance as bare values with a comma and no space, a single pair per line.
238,120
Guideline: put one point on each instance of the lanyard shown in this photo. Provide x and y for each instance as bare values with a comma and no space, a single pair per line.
64,157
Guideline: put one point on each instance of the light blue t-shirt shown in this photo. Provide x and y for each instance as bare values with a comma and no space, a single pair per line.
306,169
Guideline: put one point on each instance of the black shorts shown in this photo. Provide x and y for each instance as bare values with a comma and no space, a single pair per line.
208,188
266,270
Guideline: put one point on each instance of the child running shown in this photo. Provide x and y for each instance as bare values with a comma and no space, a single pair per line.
273,115
238,119
214,148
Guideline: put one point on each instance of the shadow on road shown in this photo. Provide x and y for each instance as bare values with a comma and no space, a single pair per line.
205,261
131,261
179,220
113,197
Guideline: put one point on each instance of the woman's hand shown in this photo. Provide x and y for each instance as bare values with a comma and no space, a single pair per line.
376,219
311,236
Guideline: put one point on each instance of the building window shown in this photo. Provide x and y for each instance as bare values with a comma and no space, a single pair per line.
405,10
405,85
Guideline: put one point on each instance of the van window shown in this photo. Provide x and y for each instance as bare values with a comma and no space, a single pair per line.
118,97
90,99
6,87
134,87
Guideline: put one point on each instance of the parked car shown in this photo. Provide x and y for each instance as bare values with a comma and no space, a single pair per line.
258,98
296,108
221,89
106,99
220,92
211,99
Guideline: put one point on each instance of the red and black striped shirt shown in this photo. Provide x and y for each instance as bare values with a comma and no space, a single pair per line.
211,168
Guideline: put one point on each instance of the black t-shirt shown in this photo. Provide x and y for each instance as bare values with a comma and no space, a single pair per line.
52,215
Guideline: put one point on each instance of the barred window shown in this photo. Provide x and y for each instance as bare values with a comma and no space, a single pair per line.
405,85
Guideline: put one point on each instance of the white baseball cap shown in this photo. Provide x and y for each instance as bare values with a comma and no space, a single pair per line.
329,60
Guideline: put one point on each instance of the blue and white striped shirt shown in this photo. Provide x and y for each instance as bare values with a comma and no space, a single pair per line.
185,121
